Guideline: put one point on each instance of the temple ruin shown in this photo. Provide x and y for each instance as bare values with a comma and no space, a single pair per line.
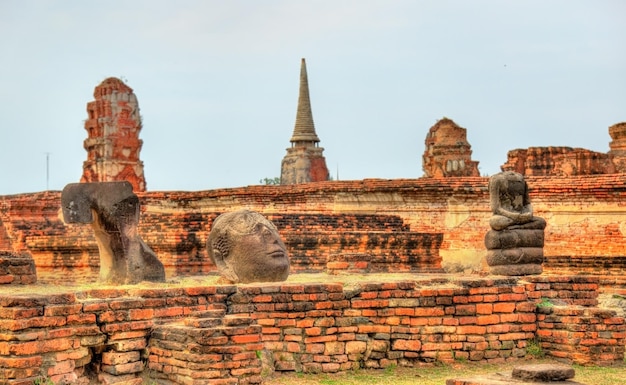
113,143
558,161
57,325
448,153
568,161
617,146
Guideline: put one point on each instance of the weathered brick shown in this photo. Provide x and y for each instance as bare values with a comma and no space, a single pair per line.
116,358
409,345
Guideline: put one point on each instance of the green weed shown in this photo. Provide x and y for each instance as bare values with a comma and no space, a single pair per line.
43,381
545,302
534,349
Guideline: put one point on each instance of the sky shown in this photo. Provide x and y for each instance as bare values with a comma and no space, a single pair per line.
217,82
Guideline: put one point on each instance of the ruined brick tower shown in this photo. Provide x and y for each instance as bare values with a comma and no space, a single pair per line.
113,143
304,161
617,146
447,152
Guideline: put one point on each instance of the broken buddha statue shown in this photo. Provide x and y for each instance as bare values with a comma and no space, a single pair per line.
246,247
515,241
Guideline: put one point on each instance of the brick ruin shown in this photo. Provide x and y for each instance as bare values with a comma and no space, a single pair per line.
568,161
120,336
414,225
558,161
618,146
181,333
448,153
17,268
113,143
219,334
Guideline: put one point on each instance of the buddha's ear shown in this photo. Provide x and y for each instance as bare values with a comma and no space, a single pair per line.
222,267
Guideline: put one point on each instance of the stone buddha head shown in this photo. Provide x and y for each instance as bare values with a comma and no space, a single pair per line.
246,247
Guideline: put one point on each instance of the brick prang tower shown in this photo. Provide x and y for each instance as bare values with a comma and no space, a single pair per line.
304,161
448,153
617,146
113,143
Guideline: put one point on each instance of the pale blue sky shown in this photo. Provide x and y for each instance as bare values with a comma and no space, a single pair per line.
217,82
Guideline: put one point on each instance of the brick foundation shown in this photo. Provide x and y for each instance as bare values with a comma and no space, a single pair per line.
207,347
17,269
582,335
111,334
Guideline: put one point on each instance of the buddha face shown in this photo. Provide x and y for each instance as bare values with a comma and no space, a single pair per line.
246,247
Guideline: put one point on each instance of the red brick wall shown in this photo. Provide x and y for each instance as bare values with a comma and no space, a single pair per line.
311,327
586,218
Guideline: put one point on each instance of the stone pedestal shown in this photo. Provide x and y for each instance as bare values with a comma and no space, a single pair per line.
515,251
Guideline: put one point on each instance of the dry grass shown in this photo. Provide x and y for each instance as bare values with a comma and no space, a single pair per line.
210,280
437,374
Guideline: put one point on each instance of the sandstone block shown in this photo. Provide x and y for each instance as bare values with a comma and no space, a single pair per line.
356,347
517,256
517,270
510,239
334,347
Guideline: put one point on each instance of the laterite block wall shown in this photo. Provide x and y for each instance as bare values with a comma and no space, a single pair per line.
116,336
413,224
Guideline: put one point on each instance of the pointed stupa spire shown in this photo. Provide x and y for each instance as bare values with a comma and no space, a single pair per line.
304,161
304,130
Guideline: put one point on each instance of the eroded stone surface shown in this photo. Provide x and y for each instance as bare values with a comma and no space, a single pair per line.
113,210
516,270
543,372
503,379
246,247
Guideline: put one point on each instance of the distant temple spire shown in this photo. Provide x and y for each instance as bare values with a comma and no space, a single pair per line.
304,161
113,143
304,130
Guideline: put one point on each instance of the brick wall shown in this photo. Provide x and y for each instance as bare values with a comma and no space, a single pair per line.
446,218
116,335
582,335
17,269
559,161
